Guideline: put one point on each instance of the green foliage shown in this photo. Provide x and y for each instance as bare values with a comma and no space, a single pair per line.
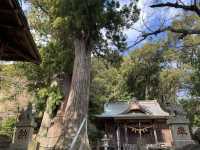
48,98
154,71
90,17
146,73
100,22
54,99
170,83
187,48
12,83
196,72
105,78
141,71
192,107
56,61
103,86
7,126
57,23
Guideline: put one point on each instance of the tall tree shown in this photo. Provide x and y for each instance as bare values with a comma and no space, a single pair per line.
154,71
141,72
90,27
192,107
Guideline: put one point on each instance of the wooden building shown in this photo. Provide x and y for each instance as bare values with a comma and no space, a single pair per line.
128,124
16,41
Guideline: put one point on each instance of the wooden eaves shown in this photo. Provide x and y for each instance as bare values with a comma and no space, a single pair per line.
16,41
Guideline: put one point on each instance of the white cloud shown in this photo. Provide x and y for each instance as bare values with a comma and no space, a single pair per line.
151,18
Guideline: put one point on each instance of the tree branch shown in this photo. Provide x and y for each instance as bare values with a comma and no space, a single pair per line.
39,5
42,8
183,33
192,8
174,30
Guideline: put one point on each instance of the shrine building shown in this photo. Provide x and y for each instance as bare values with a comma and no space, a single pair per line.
126,124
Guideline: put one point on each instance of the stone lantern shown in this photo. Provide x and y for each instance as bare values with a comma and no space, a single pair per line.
23,130
105,141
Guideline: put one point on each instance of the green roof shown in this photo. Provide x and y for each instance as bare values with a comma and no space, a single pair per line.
147,109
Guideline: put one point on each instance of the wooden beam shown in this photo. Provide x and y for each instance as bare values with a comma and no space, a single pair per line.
11,3
19,53
140,132
155,134
22,28
8,11
28,37
31,47
12,57
118,137
16,14
126,134
13,28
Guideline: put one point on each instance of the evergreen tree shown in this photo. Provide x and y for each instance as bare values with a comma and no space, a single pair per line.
90,27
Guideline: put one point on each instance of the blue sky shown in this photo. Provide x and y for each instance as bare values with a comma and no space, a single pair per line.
153,18
149,18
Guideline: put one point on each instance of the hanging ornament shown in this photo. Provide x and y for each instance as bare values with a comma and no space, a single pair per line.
140,130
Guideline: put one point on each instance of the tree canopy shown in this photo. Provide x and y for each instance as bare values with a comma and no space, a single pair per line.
82,46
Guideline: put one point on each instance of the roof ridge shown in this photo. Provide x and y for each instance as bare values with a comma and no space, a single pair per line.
147,100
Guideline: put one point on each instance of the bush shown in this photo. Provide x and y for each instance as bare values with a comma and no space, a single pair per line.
7,126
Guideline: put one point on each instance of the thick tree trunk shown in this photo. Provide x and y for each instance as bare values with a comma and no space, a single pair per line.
77,104
51,128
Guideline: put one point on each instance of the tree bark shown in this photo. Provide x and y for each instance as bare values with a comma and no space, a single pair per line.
51,128
77,104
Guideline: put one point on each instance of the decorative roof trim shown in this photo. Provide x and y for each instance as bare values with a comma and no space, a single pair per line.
151,109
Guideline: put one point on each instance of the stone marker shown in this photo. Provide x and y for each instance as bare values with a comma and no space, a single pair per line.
23,130
179,125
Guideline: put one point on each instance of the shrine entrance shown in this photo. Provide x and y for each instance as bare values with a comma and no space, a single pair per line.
139,123
140,132
130,134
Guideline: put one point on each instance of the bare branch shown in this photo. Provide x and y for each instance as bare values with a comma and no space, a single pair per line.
183,32
42,8
174,30
180,1
36,3
156,32
137,41
145,25
192,8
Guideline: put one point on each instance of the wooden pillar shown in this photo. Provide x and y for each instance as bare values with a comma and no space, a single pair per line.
140,132
118,137
155,133
126,134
